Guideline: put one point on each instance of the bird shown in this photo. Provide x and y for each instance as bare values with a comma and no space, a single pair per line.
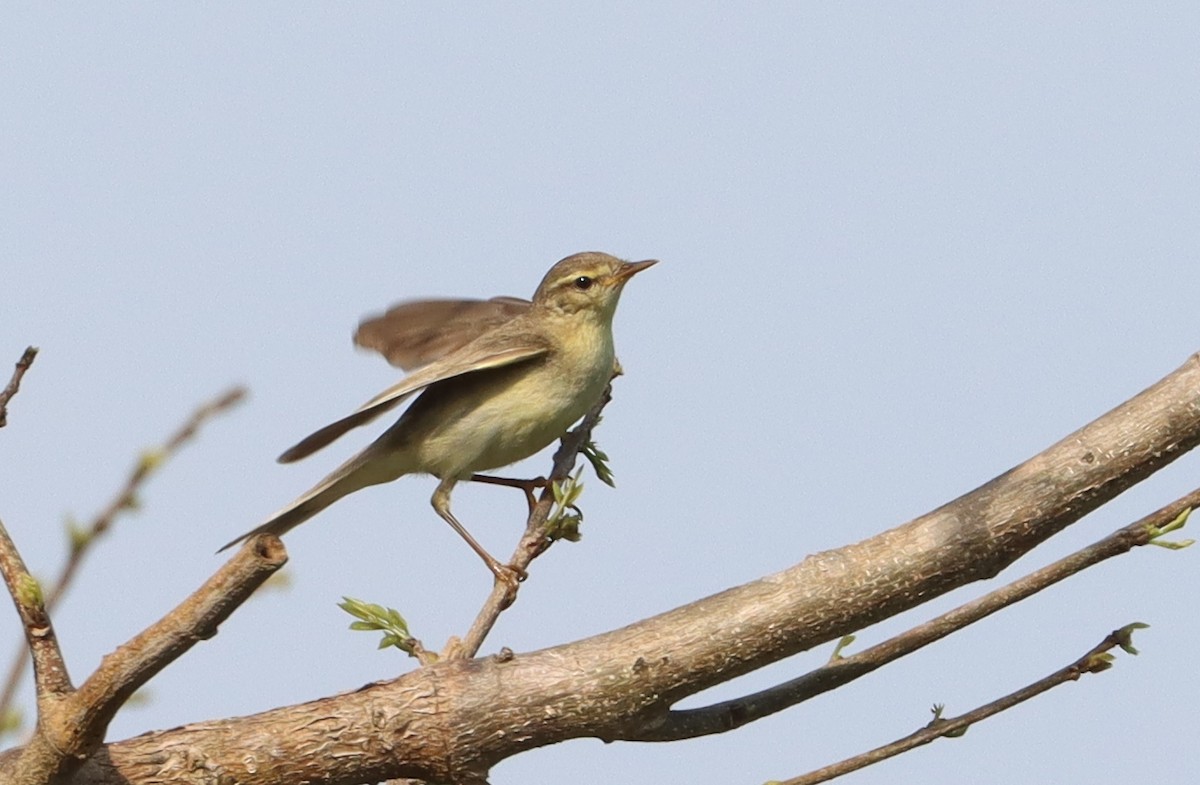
498,379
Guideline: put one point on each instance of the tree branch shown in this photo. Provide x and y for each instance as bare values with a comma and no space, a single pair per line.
49,667
82,539
195,619
454,720
1096,660
839,671
72,727
14,384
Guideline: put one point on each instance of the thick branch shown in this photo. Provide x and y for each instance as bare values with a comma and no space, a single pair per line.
730,714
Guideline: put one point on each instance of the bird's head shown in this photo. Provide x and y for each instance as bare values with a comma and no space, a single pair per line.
589,281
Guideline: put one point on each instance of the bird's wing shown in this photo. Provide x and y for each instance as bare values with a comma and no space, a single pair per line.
419,332
493,349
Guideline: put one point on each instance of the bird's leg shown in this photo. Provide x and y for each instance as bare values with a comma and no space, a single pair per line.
528,486
503,572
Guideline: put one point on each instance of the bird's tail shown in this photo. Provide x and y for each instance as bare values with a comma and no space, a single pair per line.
355,474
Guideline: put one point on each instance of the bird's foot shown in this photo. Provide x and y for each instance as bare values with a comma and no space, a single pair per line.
509,577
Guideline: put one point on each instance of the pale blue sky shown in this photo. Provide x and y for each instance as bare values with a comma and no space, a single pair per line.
903,248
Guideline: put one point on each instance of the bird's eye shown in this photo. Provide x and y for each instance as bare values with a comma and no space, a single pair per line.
583,283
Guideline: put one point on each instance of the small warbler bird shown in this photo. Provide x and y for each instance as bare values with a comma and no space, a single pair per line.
501,379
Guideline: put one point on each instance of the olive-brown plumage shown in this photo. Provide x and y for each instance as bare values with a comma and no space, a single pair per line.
499,380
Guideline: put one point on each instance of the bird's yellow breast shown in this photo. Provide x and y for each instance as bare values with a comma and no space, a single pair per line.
488,419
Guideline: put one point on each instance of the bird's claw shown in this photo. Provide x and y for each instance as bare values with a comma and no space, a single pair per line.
510,577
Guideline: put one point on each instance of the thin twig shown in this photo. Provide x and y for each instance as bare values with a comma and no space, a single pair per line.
14,384
727,715
1096,660
126,499
534,541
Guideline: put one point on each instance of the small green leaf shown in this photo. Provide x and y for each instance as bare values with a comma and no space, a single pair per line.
938,710
139,699
29,591
78,536
599,461
11,721
565,518
841,645
377,618
1098,662
151,459
1179,522
1125,636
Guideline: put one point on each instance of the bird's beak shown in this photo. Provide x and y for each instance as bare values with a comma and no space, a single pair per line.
630,269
